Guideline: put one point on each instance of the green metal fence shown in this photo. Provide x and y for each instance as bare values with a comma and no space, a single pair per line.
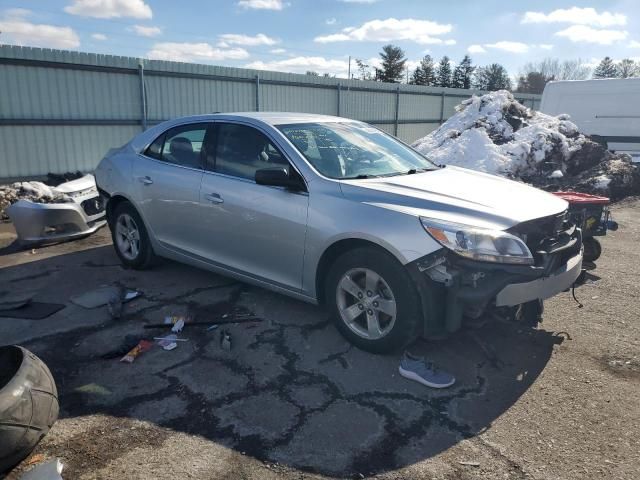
61,111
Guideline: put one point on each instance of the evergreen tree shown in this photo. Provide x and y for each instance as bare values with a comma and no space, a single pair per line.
443,73
393,61
463,74
628,68
424,74
606,69
492,77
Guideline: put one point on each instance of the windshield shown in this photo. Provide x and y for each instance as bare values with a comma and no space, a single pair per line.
353,150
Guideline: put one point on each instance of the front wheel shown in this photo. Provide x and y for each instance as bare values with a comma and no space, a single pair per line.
372,300
130,238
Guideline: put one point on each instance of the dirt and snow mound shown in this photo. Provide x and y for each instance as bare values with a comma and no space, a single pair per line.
496,134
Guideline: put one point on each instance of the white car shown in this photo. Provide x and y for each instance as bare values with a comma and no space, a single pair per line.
336,212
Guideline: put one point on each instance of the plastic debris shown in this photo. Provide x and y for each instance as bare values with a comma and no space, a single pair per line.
170,341
50,470
143,346
225,340
179,325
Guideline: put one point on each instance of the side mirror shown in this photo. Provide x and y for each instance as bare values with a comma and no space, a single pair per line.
278,177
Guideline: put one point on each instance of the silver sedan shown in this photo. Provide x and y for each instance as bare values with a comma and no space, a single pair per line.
336,212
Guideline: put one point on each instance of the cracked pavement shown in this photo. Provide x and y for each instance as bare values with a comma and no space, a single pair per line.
292,399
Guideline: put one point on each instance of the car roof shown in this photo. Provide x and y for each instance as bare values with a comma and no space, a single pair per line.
272,118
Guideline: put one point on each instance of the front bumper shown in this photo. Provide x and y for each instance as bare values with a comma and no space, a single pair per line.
452,287
541,288
37,223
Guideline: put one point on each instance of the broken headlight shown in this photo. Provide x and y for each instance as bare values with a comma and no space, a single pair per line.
478,243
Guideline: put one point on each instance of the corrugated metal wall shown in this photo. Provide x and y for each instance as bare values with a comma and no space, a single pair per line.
61,111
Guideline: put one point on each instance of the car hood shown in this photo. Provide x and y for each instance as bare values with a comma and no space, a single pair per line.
457,195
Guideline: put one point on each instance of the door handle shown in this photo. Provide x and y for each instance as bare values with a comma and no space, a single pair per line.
145,180
214,198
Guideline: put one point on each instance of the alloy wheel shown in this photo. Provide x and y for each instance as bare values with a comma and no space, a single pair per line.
366,303
127,237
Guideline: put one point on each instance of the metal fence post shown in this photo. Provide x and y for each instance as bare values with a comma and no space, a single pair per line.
338,99
442,107
395,126
143,97
257,93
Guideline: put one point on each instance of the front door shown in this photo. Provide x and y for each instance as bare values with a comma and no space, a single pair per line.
252,229
167,178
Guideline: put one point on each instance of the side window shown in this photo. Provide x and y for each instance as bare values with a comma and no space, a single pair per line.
183,145
155,149
242,150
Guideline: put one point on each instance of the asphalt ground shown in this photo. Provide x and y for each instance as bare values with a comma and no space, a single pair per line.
293,400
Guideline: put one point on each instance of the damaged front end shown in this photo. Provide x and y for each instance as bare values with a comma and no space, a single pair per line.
76,211
474,284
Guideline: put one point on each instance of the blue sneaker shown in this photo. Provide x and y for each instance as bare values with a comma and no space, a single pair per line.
426,373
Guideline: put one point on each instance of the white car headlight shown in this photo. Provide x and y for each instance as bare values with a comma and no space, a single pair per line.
479,243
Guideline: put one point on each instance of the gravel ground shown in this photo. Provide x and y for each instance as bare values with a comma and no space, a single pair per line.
293,400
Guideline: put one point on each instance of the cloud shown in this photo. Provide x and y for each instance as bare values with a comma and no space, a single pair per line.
190,52
261,4
278,51
99,36
476,49
634,44
359,1
109,8
577,16
512,47
144,31
330,21
391,29
304,64
246,40
545,46
584,34
17,30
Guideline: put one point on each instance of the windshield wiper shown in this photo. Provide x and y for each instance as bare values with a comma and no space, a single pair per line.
362,176
417,170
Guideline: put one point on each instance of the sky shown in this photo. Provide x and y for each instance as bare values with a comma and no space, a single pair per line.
320,35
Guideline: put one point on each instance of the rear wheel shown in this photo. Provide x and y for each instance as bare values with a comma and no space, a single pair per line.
372,300
130,238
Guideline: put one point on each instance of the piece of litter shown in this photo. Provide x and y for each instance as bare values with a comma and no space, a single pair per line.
179,325
173,319
470,464
212,327
50,470
225,340
143,346
131,294
37,458
417,369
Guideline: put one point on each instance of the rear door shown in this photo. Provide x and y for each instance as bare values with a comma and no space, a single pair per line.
167,178
253,229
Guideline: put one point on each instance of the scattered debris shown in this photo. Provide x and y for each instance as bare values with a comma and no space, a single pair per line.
112,295
33,311
50,470
225,340
178,326
496,134
226,321
170,341
470,464
93,389
37,458
417,369
130,341
143,346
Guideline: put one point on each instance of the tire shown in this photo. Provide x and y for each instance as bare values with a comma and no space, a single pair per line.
592,249
130,238
346,291
28,404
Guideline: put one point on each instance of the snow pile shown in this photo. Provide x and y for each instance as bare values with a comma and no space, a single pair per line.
496,134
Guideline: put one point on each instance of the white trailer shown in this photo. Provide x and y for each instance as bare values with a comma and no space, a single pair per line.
607,108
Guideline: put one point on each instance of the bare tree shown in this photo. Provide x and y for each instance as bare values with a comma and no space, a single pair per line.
364,69
628,68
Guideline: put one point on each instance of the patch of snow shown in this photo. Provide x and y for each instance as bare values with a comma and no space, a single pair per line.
602,182
556,174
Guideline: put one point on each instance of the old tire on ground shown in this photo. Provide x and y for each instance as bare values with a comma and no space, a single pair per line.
372,300
28,404
130,238
592,249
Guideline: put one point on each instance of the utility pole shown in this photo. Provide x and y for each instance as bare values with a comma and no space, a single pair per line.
349,72
407,74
